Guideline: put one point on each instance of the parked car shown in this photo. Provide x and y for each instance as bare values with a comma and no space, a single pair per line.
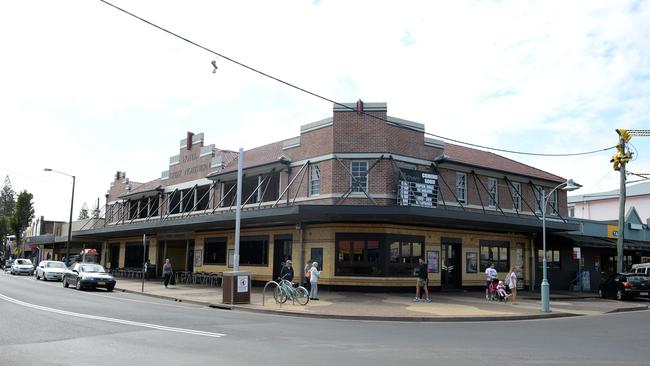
643,268
622,286
87,275
22,266
8,264
50,270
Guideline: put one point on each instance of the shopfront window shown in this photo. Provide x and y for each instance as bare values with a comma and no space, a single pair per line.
215,250
497,252
552,259
254,251
377,255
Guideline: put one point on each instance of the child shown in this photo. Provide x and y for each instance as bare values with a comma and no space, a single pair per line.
501,291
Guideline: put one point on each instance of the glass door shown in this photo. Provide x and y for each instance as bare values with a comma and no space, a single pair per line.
450,270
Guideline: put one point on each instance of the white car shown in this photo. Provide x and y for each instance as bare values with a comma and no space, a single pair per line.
50,270
22,266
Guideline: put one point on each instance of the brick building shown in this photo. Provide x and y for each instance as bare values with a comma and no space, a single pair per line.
364,194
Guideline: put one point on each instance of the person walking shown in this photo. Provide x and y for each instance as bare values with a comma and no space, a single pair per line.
314,273
167,272
307,272
511,281
422,281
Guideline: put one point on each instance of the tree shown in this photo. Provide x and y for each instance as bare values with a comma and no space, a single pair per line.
83,213
4,231
7,198
23,214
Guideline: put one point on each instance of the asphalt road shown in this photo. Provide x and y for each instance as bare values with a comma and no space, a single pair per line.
45,324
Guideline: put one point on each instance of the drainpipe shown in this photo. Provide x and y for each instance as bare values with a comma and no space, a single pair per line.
302,252
533,267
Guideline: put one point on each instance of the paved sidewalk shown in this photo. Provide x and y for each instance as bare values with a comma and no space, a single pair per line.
445,306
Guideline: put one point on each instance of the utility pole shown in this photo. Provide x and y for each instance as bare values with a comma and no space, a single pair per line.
620,159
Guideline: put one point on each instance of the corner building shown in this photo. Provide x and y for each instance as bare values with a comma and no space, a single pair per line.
364,194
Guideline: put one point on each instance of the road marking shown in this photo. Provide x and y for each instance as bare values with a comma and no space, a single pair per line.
113,320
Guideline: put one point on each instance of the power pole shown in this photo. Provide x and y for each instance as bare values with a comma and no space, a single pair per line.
620,159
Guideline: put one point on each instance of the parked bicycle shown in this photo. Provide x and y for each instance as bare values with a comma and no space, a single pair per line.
285,291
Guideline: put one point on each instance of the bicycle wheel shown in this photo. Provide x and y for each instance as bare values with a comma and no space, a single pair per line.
302,295
279,295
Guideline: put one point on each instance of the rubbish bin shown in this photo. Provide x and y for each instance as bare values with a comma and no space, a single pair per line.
237,287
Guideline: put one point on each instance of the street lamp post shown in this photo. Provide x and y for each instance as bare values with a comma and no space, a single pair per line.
67,246
569,185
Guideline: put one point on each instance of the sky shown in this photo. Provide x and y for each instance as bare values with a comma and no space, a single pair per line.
88,90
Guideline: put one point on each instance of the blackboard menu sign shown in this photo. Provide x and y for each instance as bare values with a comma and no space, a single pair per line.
417,188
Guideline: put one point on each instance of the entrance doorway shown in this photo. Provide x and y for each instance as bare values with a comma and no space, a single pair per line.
114,255
282,246
450,270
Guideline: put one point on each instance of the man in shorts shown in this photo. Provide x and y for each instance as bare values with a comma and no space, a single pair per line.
422,281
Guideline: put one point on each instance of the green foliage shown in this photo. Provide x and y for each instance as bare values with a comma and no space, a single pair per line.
83,213
23,214
7,198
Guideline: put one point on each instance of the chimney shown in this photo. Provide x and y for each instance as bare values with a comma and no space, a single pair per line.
359,106
188,140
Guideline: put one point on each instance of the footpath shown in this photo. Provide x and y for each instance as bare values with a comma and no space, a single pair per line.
444,306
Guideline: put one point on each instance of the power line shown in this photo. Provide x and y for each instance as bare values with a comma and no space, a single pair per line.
341,104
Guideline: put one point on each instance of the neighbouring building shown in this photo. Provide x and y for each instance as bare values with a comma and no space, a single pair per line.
364,194
604,205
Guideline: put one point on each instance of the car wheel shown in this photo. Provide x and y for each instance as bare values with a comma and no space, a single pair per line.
38,278
109,289
77,284
65,283
601,294
620,295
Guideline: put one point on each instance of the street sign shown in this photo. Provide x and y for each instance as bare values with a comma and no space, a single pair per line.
612,231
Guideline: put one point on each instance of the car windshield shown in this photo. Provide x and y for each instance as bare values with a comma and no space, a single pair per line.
55,265
638,278
92,268
23,261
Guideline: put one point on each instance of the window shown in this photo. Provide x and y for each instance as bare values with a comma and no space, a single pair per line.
314,179
493,192
254,251
496,252
539,198
377,255
552,204
359,178
572,212
516,196
461,185
552,259
215,250
403,255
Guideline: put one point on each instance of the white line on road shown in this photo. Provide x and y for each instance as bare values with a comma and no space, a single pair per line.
113,320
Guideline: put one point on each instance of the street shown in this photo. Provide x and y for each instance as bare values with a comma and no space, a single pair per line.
46,324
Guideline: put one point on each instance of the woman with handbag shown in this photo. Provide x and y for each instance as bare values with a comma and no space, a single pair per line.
511,281
167,272
308,275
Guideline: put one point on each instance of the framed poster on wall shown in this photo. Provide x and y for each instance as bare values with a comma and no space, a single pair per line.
432,261
471,262
198,258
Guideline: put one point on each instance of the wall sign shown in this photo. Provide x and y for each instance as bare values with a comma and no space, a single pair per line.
242,283
417,188
432,261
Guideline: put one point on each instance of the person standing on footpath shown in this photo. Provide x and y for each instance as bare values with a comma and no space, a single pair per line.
167,272
314,273
307,272
490,276
511,281
422,281
287,271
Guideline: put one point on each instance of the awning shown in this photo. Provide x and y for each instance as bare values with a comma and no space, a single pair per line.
600,242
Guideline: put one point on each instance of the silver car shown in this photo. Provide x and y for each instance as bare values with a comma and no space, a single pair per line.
50,270
22,266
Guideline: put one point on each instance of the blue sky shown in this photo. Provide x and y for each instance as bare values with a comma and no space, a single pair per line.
88,90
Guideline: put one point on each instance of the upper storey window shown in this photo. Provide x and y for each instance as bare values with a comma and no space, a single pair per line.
359,179
493,196
314,179
461,187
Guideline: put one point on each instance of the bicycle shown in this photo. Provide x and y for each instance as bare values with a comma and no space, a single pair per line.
285,291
